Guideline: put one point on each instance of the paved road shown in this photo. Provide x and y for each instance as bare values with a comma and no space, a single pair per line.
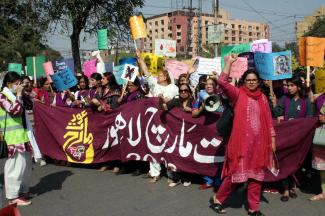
88,192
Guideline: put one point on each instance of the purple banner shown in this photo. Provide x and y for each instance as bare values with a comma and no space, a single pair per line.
139,131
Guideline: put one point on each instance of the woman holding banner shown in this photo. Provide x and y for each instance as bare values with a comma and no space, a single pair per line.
162,87
318,150
18,166
252,139
291,106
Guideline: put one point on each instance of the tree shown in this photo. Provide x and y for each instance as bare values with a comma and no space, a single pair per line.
75,16
318,28
21,32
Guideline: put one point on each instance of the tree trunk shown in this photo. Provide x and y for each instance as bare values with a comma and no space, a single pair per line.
75,41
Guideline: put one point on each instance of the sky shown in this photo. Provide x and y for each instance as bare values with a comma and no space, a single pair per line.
281,16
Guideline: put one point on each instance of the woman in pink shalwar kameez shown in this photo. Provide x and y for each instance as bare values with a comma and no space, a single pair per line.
249,150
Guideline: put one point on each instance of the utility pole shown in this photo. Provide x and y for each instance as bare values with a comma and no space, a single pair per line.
199,29
216,13
189,27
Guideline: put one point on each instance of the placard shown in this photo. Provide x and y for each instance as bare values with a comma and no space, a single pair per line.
102,39
89,67
273,66
138,27
117,72
216,34
48,68
15,67
176,68
39,61
130,72
165,47
151,60
320,80
237,49
64,79
207,65
238,67
262,45
311,51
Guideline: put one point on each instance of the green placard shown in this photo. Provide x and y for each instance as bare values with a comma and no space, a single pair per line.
227,50
102,39
39,60
15,67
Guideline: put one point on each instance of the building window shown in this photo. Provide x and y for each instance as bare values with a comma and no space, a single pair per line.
233,26
150,32
233,32
182,49
174,20
250,33
178,41
178,26
150,23
150,44
239,26
156,23
233,39
226,31
179,33
240,39
258,34
162,29
162,22
170,35
257,28
206,23
226,38
249,27
250,40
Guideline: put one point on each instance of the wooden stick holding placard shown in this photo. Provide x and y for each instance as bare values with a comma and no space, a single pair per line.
52,92
34,69
123,91
308,76
135,45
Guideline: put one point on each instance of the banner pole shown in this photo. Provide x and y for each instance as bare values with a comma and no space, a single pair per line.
135,45
34,69
308,76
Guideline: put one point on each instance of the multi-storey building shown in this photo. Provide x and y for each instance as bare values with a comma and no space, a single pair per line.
305,25
189,30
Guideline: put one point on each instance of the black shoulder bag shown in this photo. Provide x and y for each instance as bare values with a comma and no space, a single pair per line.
3,143
224,123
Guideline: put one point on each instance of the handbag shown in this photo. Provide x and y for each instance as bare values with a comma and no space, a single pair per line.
224,123
319,136
3,143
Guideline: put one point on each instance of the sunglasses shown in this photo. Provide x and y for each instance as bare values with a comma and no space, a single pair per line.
183,90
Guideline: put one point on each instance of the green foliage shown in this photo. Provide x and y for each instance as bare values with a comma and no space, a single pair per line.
318,28
75,16
21,32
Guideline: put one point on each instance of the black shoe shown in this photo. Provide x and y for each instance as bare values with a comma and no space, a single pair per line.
218,208
256,213
284,198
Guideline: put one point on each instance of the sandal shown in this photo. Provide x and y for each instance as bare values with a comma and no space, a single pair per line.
256,213
292,194
284,198
217,207
317,197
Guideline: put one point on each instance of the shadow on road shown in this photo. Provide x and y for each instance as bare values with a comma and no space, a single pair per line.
51,182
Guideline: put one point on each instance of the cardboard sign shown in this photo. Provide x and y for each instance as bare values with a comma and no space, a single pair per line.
15,67
38,67
207,65
130,72
311,51
48,68
138,27
151,61
109,66
228,50
102,39
216,34
176,68
238,67
320,80
117,72
250,59
273,66
89,67
165,47
262,45
64,79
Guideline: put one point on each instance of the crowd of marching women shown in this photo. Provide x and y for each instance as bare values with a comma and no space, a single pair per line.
251,142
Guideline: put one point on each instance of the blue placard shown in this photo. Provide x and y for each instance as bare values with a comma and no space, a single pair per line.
64,79
109,67
273,66
118,71
128,60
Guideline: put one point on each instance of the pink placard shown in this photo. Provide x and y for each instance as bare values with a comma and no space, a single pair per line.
262,45
176,68
48,68
239,67
89,67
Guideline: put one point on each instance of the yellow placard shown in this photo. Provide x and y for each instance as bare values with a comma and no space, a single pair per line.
138,28
151,61
320,80
311,51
